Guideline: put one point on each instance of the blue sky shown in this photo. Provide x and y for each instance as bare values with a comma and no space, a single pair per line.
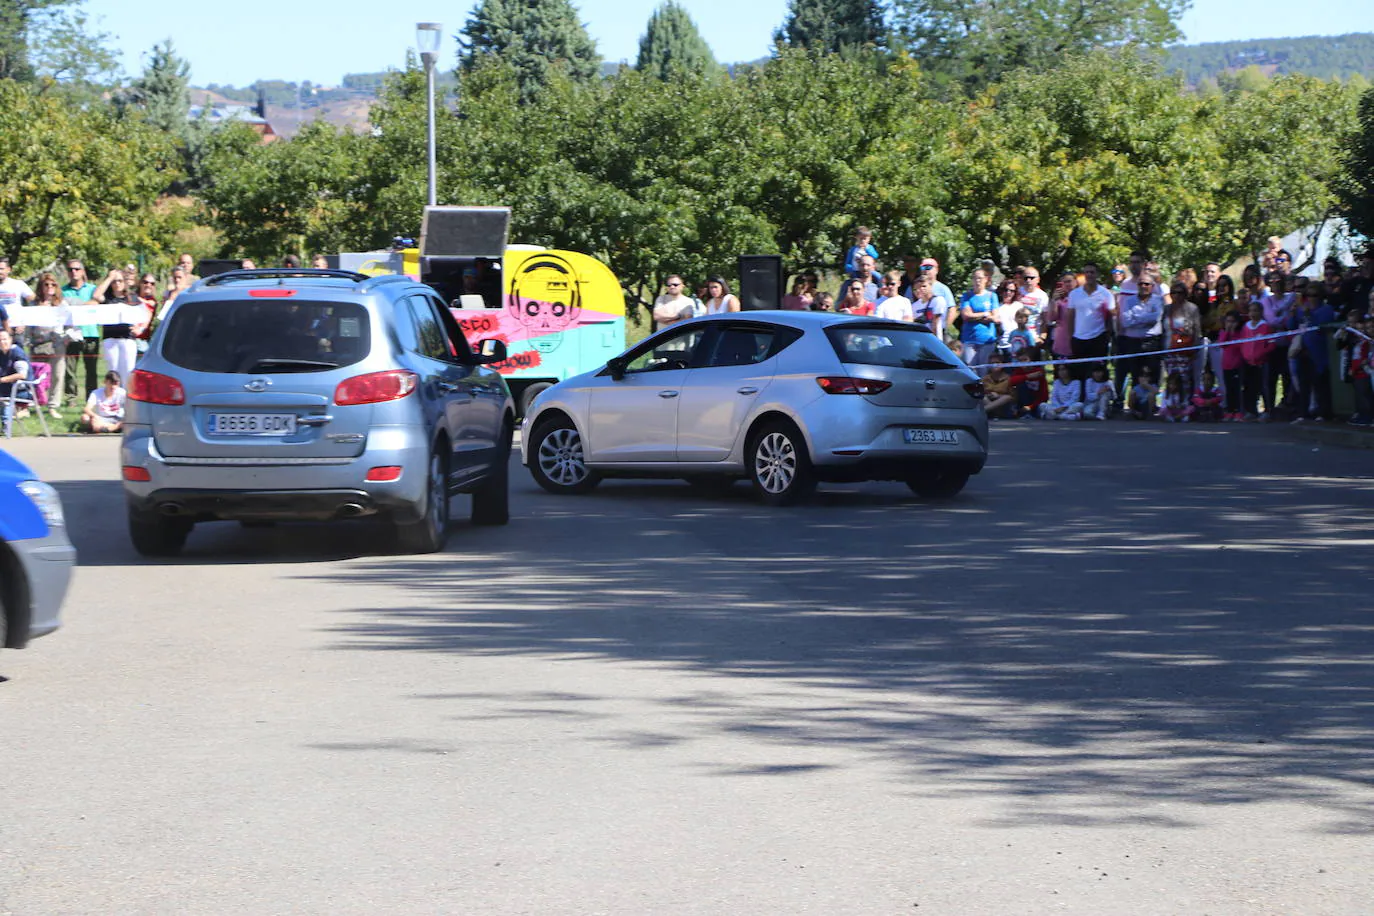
245,40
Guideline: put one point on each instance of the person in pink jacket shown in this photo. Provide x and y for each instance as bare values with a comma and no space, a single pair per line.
1255,354
1232,366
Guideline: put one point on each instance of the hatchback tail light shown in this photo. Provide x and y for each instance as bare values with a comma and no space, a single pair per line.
155,388
975,390
844,384
375,387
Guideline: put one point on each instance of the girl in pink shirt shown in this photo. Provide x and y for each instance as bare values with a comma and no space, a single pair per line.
1255,354
1232,365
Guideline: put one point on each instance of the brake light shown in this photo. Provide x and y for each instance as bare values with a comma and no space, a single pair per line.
155,388
975,390
844,384
138,474
375,387
271,293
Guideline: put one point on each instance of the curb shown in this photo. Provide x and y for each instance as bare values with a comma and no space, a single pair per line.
1338,434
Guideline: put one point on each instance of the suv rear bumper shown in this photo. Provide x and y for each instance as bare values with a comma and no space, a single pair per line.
205,505
250,489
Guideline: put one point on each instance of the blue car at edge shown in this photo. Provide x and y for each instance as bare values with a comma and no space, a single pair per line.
36,558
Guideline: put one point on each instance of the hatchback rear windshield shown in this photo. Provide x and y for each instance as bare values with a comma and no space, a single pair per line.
884,345
266,335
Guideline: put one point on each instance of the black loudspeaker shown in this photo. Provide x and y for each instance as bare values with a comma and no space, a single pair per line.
760,281
208,267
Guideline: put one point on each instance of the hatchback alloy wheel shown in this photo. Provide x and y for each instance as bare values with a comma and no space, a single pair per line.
560,463
779,465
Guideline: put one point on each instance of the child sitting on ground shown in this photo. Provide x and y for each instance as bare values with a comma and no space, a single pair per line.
998,400
1029,383
1207,399
1176,407
1066,400
1144,391
1097,394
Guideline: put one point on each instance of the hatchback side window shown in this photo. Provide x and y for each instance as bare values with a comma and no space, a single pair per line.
673,352
741,346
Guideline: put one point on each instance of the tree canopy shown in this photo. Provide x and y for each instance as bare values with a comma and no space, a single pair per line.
672,45
537,38
833,26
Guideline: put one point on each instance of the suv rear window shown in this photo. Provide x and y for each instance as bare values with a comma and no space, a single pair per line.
266,335
885,345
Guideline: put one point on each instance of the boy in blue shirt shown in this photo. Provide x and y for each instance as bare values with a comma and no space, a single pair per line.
863,245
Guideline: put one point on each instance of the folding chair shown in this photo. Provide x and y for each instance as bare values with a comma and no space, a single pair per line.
31,387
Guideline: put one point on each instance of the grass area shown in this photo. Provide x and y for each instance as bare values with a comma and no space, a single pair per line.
71,414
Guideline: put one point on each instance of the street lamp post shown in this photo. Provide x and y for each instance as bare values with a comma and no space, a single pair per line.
427,38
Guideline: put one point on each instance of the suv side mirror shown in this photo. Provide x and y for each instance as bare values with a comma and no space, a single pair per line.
616,367
490,351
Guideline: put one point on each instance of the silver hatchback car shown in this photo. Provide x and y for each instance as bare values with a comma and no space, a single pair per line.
313,394
784,399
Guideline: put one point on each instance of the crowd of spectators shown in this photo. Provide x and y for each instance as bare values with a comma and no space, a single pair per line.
1131,343
62,358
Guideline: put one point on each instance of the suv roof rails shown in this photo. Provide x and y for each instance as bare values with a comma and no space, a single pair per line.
374,282
281,273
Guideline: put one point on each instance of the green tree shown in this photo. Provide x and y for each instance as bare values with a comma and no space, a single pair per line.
974,43
671,45
269,199
1280,159
78,181
163,92
538,38
50,40
832,25
1356,183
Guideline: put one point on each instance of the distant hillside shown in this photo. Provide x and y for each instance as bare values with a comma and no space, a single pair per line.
1325,56
291,104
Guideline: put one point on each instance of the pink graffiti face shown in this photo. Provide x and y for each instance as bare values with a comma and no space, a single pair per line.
544,317
545,297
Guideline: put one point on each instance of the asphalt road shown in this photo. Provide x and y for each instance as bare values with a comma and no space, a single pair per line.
1128,671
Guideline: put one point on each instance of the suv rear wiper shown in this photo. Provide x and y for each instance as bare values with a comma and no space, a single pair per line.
282,362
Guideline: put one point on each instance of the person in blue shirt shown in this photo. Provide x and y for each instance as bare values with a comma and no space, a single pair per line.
79,291
1311,363
863,245
14,367
978,309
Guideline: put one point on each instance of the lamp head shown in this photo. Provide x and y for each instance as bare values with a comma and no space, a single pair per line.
428,35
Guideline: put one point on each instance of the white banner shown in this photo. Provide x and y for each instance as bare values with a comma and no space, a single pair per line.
41,316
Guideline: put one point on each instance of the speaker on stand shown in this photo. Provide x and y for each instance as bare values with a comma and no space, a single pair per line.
760,281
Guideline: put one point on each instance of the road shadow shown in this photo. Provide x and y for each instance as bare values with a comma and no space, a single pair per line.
97,525
1093,632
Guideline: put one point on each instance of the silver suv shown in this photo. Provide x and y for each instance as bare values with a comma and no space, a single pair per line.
313,394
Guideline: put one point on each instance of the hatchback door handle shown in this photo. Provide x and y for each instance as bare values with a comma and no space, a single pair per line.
314,420
667,394
747,389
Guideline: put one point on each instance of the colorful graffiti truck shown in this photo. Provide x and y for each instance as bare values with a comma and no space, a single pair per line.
560,313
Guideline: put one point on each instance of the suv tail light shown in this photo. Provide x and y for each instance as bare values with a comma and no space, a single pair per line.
844,384
155,388
375,387
975,390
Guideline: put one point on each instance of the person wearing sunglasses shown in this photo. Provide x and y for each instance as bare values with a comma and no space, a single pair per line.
674,305
79,289
890,304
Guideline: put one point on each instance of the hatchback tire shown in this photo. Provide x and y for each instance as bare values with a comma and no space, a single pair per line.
157,535
428,533
779,465
942,483
558,461
491,500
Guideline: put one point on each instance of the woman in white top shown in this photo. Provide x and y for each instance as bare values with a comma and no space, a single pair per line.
104,411
718,298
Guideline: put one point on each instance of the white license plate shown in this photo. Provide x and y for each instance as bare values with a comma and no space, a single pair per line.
931,436
251,424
